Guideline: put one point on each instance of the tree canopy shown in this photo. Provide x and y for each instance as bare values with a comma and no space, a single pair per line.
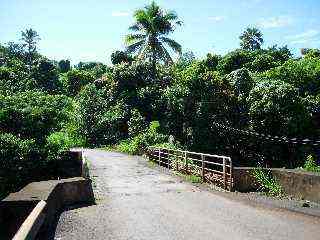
251,39
149,40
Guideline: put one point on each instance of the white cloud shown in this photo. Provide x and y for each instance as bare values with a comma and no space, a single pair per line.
119,14
307,34
310,35
216,18
275,22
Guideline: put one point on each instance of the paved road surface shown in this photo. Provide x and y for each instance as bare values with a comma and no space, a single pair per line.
137,202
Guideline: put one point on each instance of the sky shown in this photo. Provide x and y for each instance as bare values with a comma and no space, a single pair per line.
83,30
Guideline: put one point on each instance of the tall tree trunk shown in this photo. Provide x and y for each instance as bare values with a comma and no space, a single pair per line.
154,64
29,58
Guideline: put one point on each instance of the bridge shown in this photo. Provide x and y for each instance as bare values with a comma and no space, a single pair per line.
138,200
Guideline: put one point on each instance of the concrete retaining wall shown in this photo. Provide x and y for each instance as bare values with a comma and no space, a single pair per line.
55,193
34,208
300,184
296,183
83,165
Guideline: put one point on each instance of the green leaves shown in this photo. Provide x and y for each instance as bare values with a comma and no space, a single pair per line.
17,158
152,24
251,39
33,114
304,74
277,109
74,80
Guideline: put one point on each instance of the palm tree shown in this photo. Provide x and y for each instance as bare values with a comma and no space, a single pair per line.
151,27
251,39
30,39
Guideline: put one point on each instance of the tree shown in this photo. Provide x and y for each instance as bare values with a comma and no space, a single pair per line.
211,61
14,50
45,76
101,123
234,60
251,39
152,25
64,66
30,38
121,57
74,80
186,58
310,53
136,123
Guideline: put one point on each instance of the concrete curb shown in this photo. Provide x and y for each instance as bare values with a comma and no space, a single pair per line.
32,224
33,209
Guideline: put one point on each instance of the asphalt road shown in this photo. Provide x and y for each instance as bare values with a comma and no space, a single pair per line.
137,202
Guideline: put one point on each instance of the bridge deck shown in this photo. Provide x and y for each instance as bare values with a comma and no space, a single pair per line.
136,202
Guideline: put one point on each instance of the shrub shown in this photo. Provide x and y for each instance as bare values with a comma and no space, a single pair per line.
140,143
61,141
241,81
118,57
64,66
311,165
276,108
33,114
267,182
18,158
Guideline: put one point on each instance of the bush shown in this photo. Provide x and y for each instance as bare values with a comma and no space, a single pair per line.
12,79
241,81
33,114
311,165
59,142
118,57
140,143
267,182
18,158
277,109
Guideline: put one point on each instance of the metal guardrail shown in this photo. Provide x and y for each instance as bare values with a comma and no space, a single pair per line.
211,168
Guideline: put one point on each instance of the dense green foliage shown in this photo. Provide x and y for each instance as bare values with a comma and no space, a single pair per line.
251,39
46,107
311,165
150,38
267,182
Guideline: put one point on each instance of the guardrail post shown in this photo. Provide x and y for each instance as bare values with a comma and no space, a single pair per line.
176,159
202,172
186,161
231,175
159,158
224,174
168,158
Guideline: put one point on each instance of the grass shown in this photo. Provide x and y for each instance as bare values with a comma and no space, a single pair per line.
267,182
152,164
189,178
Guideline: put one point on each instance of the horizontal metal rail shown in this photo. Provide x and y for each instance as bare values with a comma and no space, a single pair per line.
212,168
